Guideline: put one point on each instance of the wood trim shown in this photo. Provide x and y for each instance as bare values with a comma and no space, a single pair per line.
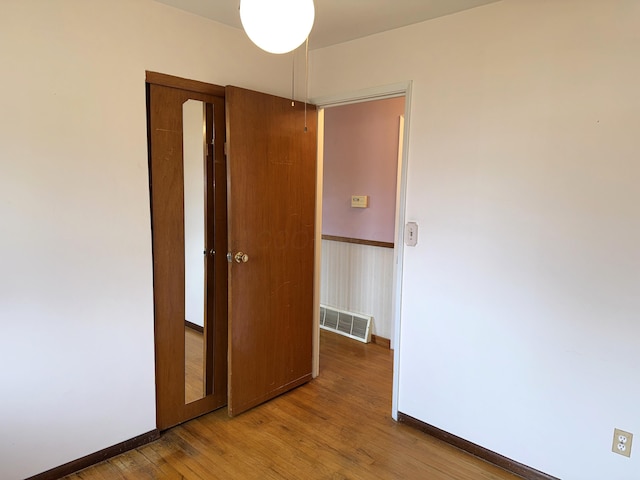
494,458
193,326
97,457
383,342
185,84
358,241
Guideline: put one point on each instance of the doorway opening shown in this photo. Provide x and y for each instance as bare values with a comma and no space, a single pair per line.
355,272
360,167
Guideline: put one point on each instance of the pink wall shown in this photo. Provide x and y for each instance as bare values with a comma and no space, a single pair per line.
361,158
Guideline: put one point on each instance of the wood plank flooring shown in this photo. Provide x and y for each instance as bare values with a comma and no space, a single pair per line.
336,427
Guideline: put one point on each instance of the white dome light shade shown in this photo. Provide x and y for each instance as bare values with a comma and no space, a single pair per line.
277,26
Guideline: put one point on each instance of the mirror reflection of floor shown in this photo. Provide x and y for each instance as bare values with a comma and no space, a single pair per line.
194,365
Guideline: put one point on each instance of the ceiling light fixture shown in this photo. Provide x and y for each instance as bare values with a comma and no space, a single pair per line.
277,26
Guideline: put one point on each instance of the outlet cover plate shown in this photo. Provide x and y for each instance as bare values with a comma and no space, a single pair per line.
622,442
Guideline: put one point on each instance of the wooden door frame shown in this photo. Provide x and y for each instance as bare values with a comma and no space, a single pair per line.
184,84
377,93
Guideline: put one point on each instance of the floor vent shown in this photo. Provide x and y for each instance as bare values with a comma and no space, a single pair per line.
352,325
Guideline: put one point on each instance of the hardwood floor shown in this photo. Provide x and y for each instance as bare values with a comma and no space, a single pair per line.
336,427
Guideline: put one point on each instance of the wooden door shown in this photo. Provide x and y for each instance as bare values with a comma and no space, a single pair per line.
271,165
168,235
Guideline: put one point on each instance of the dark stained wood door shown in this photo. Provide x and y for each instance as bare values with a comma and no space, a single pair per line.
168,235
271,165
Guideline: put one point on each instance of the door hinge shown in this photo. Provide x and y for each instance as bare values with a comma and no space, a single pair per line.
225,148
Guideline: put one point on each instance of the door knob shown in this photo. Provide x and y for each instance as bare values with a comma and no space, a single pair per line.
241,257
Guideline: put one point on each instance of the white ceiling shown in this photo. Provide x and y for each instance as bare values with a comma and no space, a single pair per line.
339,21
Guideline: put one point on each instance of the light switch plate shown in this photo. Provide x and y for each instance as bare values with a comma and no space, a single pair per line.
411,234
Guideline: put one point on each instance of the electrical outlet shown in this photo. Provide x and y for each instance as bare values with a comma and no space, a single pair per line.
622,442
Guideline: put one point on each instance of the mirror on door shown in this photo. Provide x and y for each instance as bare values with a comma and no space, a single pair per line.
194,157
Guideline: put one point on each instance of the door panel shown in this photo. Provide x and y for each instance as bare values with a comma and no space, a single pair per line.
168,229
271,166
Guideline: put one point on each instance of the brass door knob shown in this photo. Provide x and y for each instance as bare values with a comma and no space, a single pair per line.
241,257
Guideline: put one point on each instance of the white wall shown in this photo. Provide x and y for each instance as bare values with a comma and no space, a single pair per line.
76,305
359,279
520,305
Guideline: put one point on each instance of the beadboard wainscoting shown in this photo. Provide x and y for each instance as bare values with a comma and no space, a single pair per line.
359,279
